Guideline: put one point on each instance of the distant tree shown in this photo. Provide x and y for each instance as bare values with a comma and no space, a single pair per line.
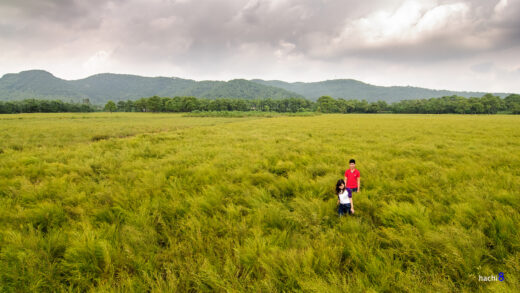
383,106
373,107
512,103
110,106
461,106
204,104
173,105
512,99
154,104
85,108
360,106
121,105
140,105
491,103
327,104
189,104
475,106
341,105
129,106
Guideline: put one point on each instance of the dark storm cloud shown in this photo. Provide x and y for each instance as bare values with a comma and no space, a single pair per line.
239,37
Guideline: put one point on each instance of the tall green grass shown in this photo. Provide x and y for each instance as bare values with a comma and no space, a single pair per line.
198,204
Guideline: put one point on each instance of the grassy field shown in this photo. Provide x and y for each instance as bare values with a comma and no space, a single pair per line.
162,202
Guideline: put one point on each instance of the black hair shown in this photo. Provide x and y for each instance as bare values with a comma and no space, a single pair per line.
338,190
352,161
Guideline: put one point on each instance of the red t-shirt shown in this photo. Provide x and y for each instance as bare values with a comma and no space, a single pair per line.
352,178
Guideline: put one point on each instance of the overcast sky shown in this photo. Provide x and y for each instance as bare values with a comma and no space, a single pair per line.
457,45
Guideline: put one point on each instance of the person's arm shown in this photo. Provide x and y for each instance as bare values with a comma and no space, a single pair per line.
358,184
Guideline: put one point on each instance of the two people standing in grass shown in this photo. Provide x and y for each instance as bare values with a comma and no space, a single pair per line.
344,189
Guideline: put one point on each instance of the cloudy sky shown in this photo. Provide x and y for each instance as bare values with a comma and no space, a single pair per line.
457,45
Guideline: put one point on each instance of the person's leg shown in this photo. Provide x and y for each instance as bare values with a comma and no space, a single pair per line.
342,210
347,207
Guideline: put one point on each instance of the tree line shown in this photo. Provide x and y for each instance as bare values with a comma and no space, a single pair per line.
45,106
190,104
487,104
324,104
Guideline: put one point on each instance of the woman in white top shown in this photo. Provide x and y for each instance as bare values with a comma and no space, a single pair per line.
345,203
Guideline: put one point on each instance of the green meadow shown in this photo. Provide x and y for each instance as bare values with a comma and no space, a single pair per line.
139,202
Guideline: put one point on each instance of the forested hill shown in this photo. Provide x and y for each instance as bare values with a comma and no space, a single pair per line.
100,88
353,89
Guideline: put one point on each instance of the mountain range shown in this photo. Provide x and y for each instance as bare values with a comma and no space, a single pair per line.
100,88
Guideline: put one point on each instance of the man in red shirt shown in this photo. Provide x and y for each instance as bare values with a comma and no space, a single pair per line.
352,177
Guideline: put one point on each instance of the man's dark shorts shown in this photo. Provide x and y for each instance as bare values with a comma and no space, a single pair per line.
344,209
354,189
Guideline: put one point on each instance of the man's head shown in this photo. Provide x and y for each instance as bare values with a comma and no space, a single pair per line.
352,163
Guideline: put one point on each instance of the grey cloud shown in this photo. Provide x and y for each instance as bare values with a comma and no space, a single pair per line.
221,35
481,31
214,23
213,26
66,12
482,67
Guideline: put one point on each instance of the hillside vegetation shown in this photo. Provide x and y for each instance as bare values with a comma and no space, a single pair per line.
39,84
160,202
354,89
100,88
